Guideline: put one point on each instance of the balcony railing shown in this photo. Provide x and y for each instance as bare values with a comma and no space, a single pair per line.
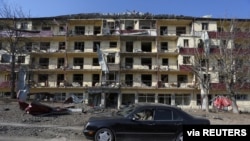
193,51
235,35
222,86
5,84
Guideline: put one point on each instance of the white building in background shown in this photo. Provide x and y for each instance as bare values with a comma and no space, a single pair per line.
146,56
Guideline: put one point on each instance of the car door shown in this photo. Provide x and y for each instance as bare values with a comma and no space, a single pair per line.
166,125
136,129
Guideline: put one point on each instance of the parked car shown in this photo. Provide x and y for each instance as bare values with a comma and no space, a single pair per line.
144,122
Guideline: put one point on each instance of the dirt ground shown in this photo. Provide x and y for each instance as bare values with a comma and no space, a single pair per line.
14,122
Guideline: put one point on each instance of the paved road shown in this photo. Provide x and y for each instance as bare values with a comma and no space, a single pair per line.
15,138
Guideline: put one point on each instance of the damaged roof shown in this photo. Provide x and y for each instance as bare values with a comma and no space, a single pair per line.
126,15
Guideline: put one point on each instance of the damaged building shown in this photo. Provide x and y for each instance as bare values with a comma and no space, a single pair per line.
115,59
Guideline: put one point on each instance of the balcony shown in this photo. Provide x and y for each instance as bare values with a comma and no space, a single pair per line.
113,67
227,35
193,51
222,86
5,84
187,68
190,51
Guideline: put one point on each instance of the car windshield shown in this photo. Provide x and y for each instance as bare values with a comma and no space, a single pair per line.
126,110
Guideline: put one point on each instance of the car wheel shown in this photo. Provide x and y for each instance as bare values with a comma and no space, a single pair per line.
179,137
104,134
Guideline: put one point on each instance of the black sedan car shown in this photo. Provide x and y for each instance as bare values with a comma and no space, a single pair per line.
142,122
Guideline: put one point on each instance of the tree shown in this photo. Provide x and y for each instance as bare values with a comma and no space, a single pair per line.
196,61
200,68
13,26
223,57
233,60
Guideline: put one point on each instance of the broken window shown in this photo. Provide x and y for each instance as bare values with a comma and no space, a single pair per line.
186,60
21,59
6,58
24,25
204,26
35,46
129,80
223,43
185,42
128,98
97,30
60,79
61,46
44,45
129,46
165,61
95,62
79,30
129,24
220,29
60,62
203,62
164,78
44,63
111,78
78,78
129,63
61,29
1,46
7,77
206,77
112,44
181,79
78,62
28,46
111,25
43,78
146,46
95,79
95,44
180,30
164,46
147,62
79,46
221,78
111,58
201,43
146,80
163,30
241,96
46,28
146,24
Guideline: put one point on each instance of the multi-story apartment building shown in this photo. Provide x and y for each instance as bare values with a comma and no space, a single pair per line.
143,58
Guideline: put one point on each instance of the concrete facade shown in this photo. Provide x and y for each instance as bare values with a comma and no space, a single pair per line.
143,56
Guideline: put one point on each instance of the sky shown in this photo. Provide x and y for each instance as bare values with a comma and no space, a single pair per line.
196,8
